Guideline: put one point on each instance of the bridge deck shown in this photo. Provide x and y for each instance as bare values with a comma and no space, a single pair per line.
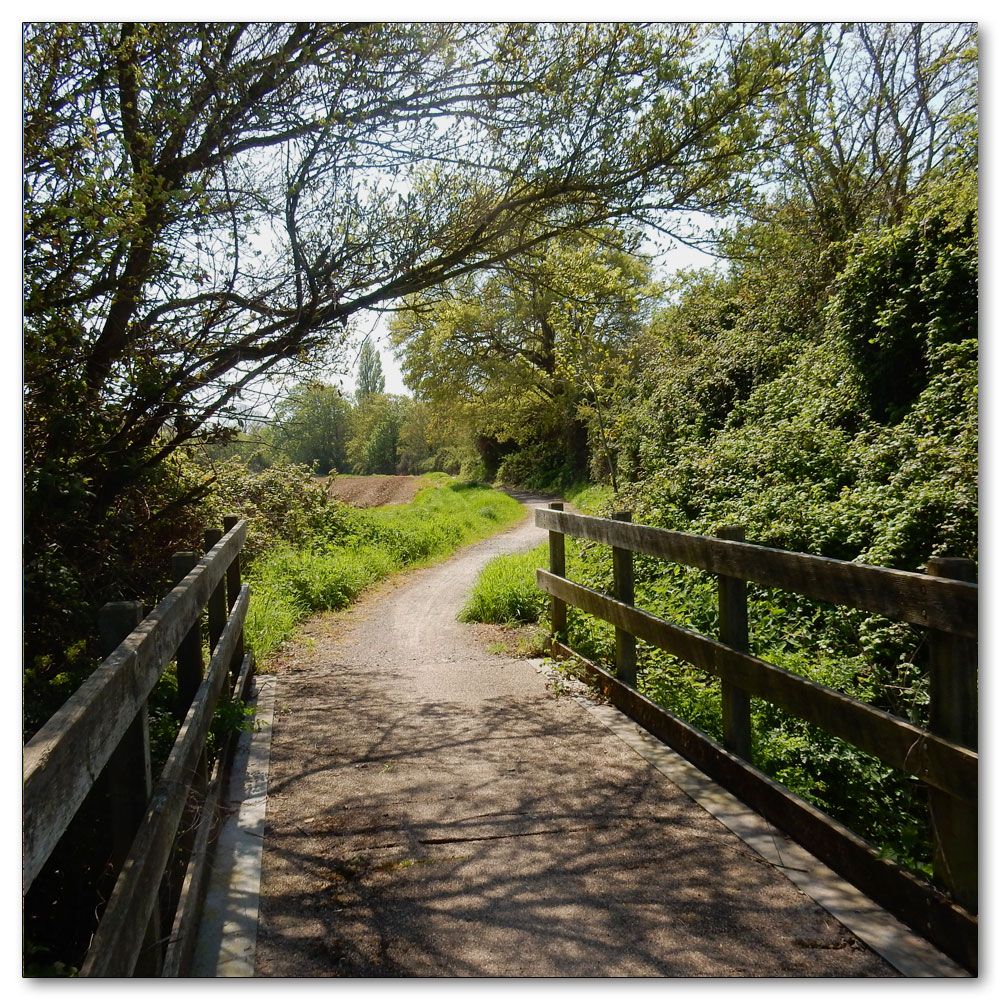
436,810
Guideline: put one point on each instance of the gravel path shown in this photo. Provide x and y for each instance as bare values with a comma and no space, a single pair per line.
436,810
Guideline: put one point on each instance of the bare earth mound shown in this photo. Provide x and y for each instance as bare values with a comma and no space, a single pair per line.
375,491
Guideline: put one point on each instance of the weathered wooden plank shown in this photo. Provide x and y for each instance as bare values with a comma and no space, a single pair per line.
557,565
62,761
734,631
921,906
118,940
623,572
948,605
234,583
954,714
915,751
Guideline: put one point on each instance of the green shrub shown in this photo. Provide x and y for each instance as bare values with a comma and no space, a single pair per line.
284,503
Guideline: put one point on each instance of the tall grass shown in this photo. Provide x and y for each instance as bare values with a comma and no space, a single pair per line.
505,591
292,582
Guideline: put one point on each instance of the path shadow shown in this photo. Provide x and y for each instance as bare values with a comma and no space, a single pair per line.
513,840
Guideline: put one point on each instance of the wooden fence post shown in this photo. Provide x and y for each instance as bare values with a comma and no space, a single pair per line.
557,567
624,583
128,772
233,584
734,632
190,665
218,610
954,684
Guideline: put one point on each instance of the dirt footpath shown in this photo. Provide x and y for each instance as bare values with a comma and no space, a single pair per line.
436,810
375,491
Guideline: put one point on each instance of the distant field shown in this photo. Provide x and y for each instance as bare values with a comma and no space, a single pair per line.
375,491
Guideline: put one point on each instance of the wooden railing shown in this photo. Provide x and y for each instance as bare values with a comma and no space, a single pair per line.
944,600
100,738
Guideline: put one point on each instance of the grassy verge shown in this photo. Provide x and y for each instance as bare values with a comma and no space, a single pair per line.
290,583
505,591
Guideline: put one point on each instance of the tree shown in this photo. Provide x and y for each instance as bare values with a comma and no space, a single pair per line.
373,447
370,377
312,425
875,109
416,452
207,206
531,352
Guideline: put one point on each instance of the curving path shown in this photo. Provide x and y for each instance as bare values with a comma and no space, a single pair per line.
436,810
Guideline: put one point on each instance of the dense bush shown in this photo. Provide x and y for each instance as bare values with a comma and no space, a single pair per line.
284,503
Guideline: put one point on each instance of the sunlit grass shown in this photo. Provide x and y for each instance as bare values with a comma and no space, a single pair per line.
291,583
505,591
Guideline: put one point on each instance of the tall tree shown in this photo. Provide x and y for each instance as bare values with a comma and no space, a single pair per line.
377,420
208,205
876,107
370,378
530,352
312,425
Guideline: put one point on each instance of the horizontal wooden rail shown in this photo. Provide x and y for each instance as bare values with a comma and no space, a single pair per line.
920,905
64,758
944,601
915,751
119,936
931,602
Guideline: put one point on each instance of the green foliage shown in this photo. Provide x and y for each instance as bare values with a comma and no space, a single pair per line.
283,503
376,425
231,716
72,566
796,435
531,355
505,591
292,581
370,380
311,427
908,291
588,498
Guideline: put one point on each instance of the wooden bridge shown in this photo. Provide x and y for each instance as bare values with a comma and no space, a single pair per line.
944,601
94,753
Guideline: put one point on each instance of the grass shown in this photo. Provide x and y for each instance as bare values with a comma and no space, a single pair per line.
588,498
505,591
290,583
